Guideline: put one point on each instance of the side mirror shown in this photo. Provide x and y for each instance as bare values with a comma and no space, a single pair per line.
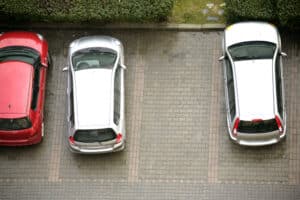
123,66
221,58
283,54
65,69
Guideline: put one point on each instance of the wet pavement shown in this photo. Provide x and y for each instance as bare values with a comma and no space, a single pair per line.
177,143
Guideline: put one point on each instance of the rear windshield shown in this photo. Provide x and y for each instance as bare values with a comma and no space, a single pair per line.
260,126
15,124
252,50
92,58
88,136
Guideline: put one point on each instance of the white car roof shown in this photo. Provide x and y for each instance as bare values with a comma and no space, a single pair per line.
93,95
93,88
254,79
250,31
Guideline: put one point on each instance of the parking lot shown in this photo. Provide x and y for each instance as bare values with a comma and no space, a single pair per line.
177,143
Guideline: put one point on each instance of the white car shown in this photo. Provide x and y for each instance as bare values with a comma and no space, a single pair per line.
254,89
96,121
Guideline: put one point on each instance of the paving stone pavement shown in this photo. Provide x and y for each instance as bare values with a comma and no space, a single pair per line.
177,143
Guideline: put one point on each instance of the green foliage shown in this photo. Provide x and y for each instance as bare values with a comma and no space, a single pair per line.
86,10
240,10
281,12
289,13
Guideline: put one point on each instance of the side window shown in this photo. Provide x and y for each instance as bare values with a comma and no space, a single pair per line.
71,100
117,95
230,88
278,85
36,87
71,107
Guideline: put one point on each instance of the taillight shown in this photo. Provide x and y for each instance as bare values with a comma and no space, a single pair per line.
71,140
278,122
235,126
119,138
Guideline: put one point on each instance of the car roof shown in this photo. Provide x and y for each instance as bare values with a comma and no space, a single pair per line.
93,98
15,89
255,89
250,31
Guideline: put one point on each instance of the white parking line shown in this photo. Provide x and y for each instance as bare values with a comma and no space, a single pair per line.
294,162
54,164
213,147
136,120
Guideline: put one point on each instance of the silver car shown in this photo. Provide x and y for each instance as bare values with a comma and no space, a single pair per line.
96,121
254,92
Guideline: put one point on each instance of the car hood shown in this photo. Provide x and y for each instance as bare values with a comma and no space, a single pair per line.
250,31
255,89
93,97
95,41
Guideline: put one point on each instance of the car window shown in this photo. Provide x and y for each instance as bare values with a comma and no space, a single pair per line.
252,50
117,95
230,88
19,53
71,107
279,85
71,98
15,124
92,58
258,126
36,87
89,136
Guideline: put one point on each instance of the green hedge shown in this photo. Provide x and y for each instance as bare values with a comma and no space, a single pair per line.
289,13
281,12
86,10
240,10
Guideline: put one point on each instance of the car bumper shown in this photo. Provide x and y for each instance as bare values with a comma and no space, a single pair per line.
21,142
258,139
101,149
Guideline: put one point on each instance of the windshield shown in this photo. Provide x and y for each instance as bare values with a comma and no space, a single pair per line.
252,50
15,124
92,58
89,136
19,53
259,126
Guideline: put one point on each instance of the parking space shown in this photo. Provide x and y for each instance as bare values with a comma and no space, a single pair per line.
177,141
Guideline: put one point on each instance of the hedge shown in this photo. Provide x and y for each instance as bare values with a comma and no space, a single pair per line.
86,10
240,10
289,13
281,12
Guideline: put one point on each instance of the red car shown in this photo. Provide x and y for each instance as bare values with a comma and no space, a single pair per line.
24,60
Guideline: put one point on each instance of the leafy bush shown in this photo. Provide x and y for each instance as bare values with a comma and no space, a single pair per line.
241,10
281,12
86,10
289,13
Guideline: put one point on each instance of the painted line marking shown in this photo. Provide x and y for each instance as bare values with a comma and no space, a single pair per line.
54,164
136,120
213,147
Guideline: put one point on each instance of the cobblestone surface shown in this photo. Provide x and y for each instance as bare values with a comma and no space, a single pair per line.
177,143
